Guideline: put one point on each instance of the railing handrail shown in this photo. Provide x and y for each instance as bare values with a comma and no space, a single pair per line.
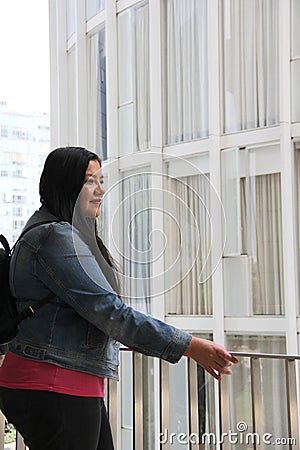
266,355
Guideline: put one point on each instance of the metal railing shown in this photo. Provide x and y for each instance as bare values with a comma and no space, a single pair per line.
223,394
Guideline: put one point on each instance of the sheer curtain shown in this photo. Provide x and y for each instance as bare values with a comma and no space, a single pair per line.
134,81
263,242
136,226
250,63
97,128
187,262
186,82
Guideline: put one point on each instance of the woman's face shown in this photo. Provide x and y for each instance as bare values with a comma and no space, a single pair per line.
92,190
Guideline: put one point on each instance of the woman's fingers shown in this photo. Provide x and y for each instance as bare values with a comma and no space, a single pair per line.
212,357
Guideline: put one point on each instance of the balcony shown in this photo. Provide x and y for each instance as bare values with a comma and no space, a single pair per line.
158,406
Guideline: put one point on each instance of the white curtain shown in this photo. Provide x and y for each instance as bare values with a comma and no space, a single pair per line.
72,102
186,87
134,81
142,78
265,250
136,226
274,401
97,128
250,63
187,262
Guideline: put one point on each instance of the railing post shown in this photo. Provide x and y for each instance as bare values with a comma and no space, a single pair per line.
292,407
137,400
165,401
2,430
20,445
224,409
112,409
256,397
193,401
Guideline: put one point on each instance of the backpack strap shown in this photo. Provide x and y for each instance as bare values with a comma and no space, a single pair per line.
30,310
5,244
34,225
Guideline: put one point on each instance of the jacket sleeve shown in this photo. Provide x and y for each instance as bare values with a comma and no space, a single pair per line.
65,264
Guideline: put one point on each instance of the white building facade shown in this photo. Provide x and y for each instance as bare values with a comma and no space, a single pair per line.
193,107
24,145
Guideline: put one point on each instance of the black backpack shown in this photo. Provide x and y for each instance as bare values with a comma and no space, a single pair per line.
9,316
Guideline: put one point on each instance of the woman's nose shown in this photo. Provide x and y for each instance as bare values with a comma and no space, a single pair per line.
99,188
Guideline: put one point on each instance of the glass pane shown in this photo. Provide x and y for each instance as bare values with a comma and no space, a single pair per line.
148,403
125,55
295,39
71,18
136,240
274,401
188,228
127,141
185,70
231,200
93,7
134,81
72,110
179,403
295,80
237,286
97,123
127,400
267,262
250,45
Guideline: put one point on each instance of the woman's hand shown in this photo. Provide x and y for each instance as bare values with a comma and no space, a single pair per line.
212,357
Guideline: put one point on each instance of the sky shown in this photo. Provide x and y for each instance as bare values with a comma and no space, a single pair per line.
24,55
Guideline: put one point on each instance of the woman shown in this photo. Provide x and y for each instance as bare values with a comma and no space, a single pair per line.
52,379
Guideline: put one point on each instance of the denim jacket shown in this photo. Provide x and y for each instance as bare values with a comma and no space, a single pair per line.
81,327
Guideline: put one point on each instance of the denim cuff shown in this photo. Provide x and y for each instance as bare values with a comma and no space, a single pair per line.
177,346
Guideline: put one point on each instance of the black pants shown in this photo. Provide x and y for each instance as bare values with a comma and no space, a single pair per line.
51,421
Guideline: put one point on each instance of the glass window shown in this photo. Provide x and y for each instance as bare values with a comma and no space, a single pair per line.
250,38
187,256
253,277
93,7
72,102
134,81
136,245
71,18
127,399
176,394
273,388
185,70
295,60
97,123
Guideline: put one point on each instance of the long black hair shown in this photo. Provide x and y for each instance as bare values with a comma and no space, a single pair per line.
61,182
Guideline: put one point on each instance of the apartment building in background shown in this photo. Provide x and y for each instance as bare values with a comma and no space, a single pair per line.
24,145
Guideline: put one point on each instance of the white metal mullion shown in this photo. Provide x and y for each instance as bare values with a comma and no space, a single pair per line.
214,115
59,74
215,167
287,180
112,79
81,75
155,67
54,117
157,166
